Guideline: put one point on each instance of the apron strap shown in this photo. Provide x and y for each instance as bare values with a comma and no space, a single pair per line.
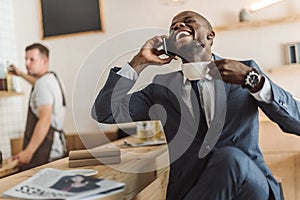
61,132
60,85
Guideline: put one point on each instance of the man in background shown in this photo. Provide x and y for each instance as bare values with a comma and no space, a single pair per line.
43,138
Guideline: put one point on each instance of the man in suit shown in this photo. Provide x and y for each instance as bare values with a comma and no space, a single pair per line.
213,143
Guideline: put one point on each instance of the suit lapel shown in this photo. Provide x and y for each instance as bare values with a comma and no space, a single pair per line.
226,85
221,94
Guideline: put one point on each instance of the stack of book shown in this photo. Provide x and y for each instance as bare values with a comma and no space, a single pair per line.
96,156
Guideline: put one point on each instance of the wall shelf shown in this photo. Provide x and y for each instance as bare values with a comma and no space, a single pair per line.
4,93
291,68
257,24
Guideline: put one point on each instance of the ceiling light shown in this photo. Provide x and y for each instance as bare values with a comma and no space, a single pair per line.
173,2
263,4
244,14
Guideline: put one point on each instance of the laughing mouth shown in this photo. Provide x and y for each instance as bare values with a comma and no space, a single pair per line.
182,34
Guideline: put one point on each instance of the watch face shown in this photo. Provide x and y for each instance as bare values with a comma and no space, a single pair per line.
252,79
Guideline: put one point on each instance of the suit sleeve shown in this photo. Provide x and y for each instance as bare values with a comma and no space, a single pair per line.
283,109
114,105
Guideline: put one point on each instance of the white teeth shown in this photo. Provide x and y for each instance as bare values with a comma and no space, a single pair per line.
182,34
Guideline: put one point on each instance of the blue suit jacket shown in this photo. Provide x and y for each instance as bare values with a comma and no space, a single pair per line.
161,100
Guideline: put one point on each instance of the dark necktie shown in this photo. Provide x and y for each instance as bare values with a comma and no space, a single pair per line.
202,121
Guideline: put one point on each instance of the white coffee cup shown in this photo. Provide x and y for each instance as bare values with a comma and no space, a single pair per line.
196,71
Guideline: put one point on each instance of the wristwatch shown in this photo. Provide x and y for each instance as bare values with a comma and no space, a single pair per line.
252,79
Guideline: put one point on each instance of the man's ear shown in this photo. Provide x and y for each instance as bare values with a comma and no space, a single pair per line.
46,59
211,35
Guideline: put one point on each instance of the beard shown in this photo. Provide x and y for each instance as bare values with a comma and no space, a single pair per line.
194,51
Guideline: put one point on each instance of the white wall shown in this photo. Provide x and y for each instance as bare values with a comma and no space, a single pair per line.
69,53
11,107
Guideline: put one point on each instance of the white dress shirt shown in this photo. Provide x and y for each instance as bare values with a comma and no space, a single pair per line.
207,91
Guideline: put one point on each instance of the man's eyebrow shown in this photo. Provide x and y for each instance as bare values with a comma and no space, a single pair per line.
173,24
190,17
184,19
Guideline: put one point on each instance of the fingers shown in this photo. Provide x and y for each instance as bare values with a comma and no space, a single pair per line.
220,64
158,40
155,42
152,54
13,70
230,71
13,162
22,158
13,67
161,61
222,69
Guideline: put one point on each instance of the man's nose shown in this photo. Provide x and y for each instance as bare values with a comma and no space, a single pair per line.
27,63
178,25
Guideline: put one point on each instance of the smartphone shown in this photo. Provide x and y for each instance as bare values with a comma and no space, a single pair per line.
165,47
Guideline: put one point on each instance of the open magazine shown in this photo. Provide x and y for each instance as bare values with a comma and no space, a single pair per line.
52,183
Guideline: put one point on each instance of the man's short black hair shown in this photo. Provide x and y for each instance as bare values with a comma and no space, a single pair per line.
43,50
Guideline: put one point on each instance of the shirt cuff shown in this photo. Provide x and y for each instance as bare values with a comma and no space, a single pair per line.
128,72
265,94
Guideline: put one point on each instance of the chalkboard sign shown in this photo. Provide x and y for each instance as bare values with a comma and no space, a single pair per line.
63,17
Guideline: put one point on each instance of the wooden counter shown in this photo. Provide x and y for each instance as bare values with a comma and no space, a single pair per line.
144,170
8,168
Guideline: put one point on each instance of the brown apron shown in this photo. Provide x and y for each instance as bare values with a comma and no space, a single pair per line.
42,154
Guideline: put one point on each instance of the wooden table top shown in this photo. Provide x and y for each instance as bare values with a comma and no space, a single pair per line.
139,167
8,167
